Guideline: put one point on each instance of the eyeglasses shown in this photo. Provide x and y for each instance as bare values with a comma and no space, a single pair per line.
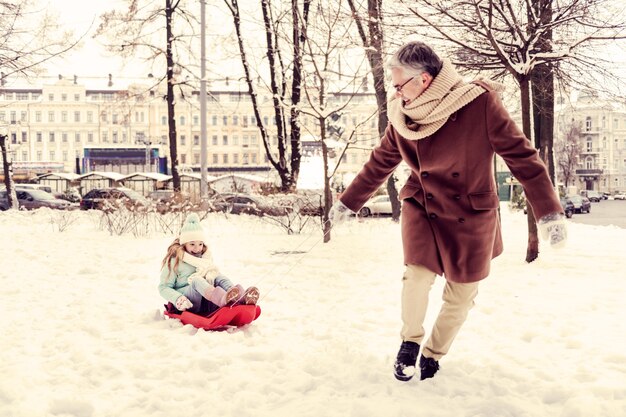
401,86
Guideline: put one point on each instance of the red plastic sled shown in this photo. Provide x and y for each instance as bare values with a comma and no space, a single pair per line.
238,315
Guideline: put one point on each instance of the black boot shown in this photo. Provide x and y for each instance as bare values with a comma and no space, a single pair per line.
428,367
404,368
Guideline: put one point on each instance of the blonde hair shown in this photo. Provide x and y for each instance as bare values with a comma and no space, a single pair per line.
175,252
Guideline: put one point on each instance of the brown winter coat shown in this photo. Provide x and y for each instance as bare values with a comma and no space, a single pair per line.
449,216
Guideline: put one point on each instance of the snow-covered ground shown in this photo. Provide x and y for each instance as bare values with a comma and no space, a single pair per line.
82,332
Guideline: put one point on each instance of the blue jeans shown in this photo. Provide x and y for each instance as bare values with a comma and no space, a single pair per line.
194,292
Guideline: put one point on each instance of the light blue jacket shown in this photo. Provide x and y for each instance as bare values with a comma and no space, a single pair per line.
173,283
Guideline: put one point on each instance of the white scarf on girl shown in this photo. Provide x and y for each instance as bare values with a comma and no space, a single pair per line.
205,267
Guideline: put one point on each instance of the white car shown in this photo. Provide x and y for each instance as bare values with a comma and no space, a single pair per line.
377,205
620,196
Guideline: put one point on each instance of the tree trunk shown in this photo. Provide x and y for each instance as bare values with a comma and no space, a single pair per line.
532,250
373,44
171,116
8,173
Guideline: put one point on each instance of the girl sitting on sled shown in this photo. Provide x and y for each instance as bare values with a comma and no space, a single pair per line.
188,275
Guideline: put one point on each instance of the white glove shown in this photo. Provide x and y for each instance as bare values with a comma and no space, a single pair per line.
183,303
553,227
339,213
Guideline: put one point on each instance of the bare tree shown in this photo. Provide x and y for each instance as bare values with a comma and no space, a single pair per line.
568,149
163,32
29,37
530,40
285,98
373,42
8,172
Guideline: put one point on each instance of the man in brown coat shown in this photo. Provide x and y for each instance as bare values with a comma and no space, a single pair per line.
447,131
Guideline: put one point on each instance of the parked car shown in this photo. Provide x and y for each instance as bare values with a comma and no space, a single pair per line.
247,204
376,206
168,200
45,188
581,204
619,196
34,199
592,195
113,198
568,207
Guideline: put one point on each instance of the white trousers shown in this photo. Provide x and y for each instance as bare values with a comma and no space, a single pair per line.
458,299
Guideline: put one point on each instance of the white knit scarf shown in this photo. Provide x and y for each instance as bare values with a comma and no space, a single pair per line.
205,267
430,110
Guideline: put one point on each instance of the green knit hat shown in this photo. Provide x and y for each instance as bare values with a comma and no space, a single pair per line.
191,230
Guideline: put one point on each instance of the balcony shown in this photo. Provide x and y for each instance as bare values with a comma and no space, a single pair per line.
589,174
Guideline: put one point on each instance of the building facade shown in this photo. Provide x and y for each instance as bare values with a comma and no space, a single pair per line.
68,126
601,160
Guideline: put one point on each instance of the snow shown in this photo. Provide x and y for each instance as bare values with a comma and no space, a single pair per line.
83,332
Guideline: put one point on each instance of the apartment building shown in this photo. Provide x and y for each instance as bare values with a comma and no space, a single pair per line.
69,126
601,164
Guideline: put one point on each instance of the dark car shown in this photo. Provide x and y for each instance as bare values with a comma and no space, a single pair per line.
34,199
247,204
581,204
592,195
114,198
568,207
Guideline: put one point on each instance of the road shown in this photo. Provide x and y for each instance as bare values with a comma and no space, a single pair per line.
604,213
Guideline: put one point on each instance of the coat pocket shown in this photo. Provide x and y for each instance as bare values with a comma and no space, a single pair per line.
484,201
409,190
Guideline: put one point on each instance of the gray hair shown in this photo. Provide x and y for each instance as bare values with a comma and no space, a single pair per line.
416,57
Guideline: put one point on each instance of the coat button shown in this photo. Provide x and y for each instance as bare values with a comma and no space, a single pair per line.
457,197
425,174
461,220
429,196
432,215
455,175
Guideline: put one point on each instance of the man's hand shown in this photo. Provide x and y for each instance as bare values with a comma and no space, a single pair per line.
339,213
553,227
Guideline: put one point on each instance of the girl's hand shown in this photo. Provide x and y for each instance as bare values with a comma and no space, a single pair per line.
183,303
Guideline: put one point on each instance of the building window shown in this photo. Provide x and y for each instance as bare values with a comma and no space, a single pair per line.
214,140
214,158
114,137
245,159
39,136
244,121
235,158
196,158
64,156
244,140
64,137
254,158
182,120
225,120
38,116
52,156
89,117
196,120
50,97
76,137
163,120
23,116
63,97
235,140
214,120
225,140
21,96
90,137
589,163
51,137
235,120
225,158
105,137
39,154
77,116
13,117
196,140
588,124
183,139
76,97
64,116
589,144
24,156
114,118
24,137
